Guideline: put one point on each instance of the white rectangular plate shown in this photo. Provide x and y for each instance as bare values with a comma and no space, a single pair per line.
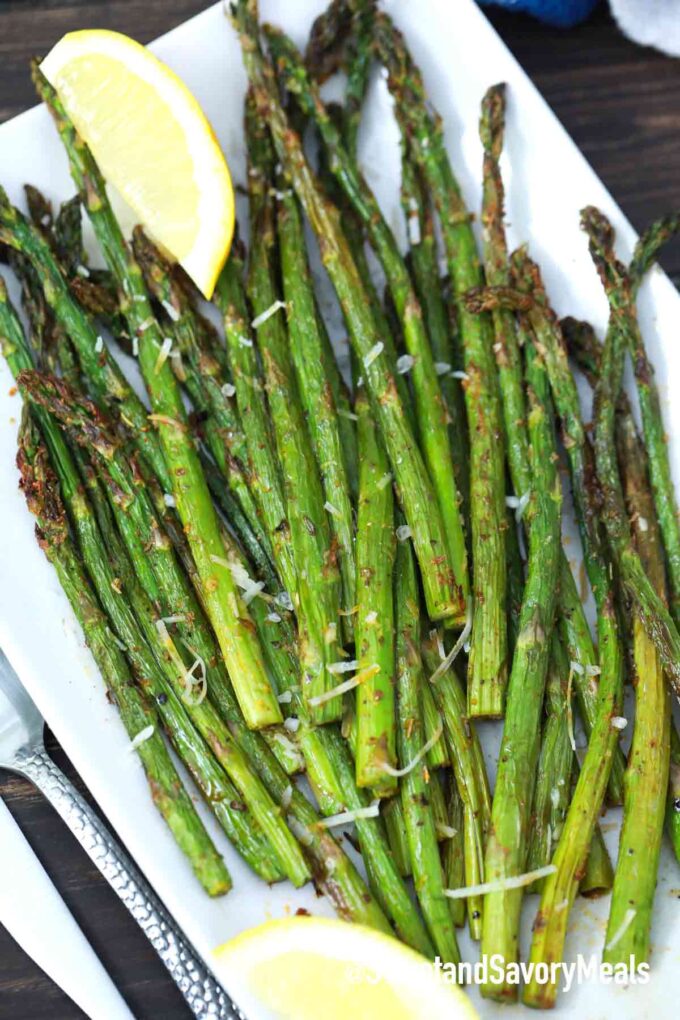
548,181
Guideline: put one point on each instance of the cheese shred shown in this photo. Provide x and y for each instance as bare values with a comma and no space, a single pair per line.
501,884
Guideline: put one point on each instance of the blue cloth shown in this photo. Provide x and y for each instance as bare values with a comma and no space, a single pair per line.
561,13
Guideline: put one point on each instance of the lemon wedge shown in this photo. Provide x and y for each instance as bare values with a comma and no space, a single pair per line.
152,142
304,968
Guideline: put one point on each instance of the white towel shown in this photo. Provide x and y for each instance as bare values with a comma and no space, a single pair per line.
650,22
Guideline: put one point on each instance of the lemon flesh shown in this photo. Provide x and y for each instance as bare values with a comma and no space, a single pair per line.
304,968
152,142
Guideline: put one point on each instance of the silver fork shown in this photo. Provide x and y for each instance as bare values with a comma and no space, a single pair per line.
22,750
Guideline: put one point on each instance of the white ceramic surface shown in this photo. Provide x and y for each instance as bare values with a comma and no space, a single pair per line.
548,181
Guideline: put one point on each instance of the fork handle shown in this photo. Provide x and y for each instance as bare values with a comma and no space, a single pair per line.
203,995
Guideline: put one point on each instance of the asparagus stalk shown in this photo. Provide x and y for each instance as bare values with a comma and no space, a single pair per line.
648,246
652,418
453,854
265,471
644,811
327,41
415,490
488,666
307,353
650,606
673,806
598,876
206,384
552,791
393,816
41,490
511,811
415,785
431,412
229,616
469,771
423,261
647,774
570,855
584,348
374,627
318,589
554,786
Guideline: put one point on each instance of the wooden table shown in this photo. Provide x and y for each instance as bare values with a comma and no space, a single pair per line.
621,104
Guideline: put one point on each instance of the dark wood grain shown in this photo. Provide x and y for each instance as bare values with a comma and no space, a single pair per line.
621,104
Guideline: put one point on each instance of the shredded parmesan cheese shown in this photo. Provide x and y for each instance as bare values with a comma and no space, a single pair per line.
252,591
375,352
163,354
347,685
343,666
405,363
267,314
628,919
414,235
284,600
518,504
570,714
191,696
501,884
344,817
455,651
419,757
241,578
141,737
171,311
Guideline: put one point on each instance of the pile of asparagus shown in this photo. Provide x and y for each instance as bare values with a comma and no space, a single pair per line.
298,575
